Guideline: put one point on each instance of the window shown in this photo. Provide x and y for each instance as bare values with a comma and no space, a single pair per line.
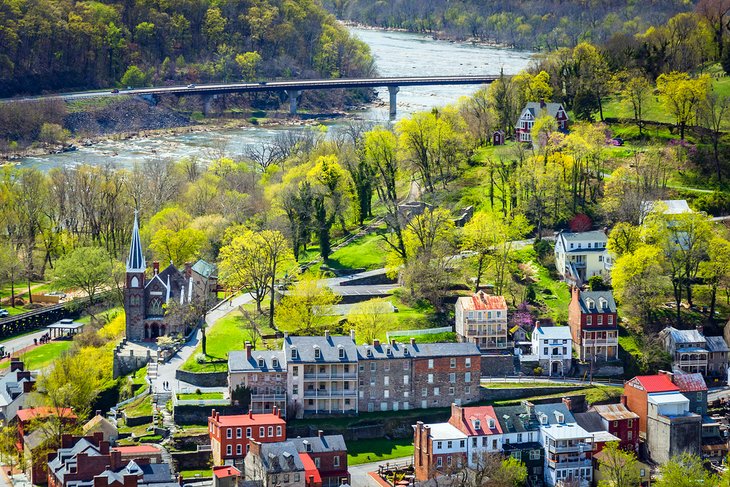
449,444
229,449
239,432
372,380
699,396
405,380
405,365
615,424
337,461
430,363
448,460
295,389
248,447
467,390
467,377
631,423
293,353
278,431
467,362
452,377
534,454
462,443
436,391
424,392
239,450
589,320
342,352
248,432
439,463
519,437
451,391
261,363
275,363
642,473
295,371
430,378
271,431
386,380
369,352
452,363
439,445
373,366
545,351
630,435
229,433
316,462
317,353
600,320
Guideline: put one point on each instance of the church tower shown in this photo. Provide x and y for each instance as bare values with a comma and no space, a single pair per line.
134,304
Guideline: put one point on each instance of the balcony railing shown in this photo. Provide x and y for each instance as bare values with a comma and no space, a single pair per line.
575,464
580,447
326,376
268,397
471,331
325,393
603,342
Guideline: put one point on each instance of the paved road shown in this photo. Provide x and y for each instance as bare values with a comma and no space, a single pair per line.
166,371
359,473
716,393
13,344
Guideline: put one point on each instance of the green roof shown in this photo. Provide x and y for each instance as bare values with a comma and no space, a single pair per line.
205,269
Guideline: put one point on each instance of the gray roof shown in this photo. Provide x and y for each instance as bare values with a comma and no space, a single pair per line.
282,456
11,387
668,207
716,344
683,336
418,350
596,296
383,351
550,108
515,419
205,269
593,235
66,457
329,347
237,361
135,260
549,410
325,444
590,421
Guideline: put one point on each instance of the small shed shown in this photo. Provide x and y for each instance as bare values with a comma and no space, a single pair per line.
498,137
99,424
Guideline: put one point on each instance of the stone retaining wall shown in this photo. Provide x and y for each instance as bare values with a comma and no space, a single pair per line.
489,394
187,415
192,460
203,379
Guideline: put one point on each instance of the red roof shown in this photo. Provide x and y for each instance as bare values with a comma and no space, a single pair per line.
690,382
224,471
656,383
310,469
248,420
28,414
136,449
482,414
484,301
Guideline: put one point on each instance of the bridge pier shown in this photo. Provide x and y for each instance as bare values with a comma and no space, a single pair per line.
208,103
393,91
293,96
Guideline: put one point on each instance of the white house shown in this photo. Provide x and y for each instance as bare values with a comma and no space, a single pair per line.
580,256
568,447
14,388
553,348
534,110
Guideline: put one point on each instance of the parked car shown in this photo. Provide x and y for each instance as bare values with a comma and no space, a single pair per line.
115,90
60,294
4,313
191,85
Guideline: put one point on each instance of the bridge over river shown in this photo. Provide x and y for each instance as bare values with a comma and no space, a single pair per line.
293,89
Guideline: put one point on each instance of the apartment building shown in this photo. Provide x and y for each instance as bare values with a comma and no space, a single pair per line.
482,319
620,422
593,320
230,436
568,447
385,377
264,373
444,373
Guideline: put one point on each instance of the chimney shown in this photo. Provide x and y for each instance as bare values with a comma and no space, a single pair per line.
273,410
279,413
352,334
320,433
542,103
130,480
249,347
413,342
250,413
116,459
376,343
623,400
701,330
568,403
212,413
537,324
311,481
326,334
392,342
16,364
188,269
155,268
98,412
670,375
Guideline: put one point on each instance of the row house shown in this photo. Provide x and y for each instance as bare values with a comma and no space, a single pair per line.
592,422
230,436
14,389
552,347
688,349
329,455
482,319
521,438
264,373
331,375
621,422
581,255
534,110
568,447
439,449
593,320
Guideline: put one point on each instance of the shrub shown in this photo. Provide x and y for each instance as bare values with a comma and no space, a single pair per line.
537,370
200,358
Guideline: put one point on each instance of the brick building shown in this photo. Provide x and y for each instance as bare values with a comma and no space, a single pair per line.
329,455
264,373
444,373
620,422
35,441
385,377
593,320
482,319
439,449
637,391
230,435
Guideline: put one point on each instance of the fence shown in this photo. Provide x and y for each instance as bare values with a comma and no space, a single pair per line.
425,331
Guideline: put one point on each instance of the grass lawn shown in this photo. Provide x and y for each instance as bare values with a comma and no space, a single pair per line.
140,407
226,335
593,395
366,252
201,396
42,356
554,294
189,474
366,451
525,384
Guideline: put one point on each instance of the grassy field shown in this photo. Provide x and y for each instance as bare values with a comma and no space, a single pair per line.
140,407
225,336
189,474
202,396
366,252
42,356
553,294
594,394
366,451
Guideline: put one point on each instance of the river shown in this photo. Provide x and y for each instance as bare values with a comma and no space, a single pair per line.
396,54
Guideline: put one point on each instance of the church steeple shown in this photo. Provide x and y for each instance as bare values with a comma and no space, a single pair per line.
135,261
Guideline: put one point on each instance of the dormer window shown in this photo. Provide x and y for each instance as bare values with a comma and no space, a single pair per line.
369,352
405,351
477,424
307,446
559,417
317,353
491,424
603,303
261,362
293,353
275,363
591,304
543,418
341,351
389,351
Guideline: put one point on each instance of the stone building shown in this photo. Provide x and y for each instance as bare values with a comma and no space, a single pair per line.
264,373
385,377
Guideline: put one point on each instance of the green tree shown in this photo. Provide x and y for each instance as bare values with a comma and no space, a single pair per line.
214,26
638,281
619,468
53,133
248,63
624,238
371,319
177,247
307,308
134,77
85,268
716,269
681,95
635,90
685,470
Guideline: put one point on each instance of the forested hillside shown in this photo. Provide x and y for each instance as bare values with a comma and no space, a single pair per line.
69,44
538,24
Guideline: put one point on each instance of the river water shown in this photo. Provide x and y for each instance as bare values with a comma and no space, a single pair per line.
396,54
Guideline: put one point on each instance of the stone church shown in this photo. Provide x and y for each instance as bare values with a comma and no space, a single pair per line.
147,297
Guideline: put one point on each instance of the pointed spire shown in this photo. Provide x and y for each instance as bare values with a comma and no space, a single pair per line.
135,261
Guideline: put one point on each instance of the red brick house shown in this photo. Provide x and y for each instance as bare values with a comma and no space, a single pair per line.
230,435
637,391
534,110
329,455
593,320
439,449
622,423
